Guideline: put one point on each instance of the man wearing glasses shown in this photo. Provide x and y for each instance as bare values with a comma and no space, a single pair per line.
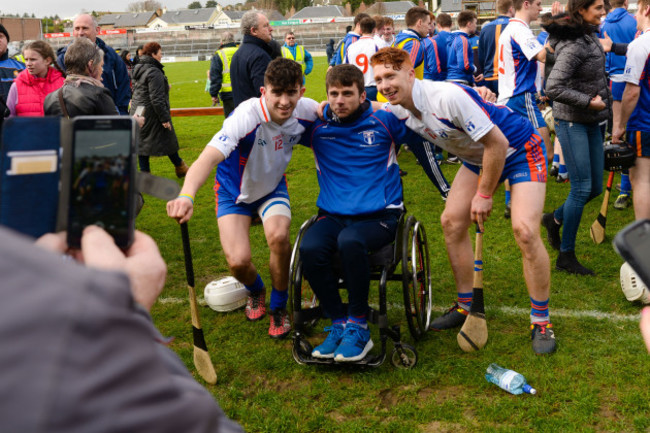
292,51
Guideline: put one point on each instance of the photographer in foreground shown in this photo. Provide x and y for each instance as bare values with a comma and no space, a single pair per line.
80,352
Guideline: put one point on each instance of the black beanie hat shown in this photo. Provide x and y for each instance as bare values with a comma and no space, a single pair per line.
3,30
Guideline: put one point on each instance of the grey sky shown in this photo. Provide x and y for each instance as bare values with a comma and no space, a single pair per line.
69,8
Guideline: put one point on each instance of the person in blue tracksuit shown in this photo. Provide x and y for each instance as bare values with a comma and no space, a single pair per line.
350,38
487,44
435,48
360,202
115,76
460,61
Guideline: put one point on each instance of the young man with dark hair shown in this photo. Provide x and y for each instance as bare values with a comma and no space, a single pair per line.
487,44
488,137
460,63
349,39
359,55
635,110
519,51
436,49
251,153
418,22
360,202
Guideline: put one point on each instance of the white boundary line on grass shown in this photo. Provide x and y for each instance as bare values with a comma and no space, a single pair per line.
509,311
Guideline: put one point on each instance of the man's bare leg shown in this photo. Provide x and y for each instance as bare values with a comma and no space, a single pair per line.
276,230
640,178
235,242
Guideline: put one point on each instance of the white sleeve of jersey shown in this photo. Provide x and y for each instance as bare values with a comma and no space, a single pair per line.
242,121
637,56
527,41
307,109
465,113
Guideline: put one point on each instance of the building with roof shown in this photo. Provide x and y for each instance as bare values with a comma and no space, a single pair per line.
319,12
202,17
127,20
390,8
229,17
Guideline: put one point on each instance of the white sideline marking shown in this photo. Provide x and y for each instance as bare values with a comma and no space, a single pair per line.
509,311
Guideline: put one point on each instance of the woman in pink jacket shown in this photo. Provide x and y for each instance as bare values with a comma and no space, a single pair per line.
41,76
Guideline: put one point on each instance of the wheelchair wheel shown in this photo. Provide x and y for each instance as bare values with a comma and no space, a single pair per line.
404,356
301,295
301,350
416,278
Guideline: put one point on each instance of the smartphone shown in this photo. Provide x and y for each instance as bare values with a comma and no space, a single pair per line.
139,111
633,244
102,178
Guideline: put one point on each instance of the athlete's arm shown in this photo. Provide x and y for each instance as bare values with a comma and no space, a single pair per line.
182,207
628,104
494,157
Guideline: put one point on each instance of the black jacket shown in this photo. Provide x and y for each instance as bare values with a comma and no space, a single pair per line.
83,100
248,67
151,89
578,74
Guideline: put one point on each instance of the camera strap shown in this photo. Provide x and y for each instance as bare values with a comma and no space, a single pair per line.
62,104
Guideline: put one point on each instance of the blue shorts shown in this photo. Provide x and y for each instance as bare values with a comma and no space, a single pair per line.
524,104
639,140
617,90
527,164
226,204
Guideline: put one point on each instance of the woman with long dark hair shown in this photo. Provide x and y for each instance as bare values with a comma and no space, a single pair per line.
151,90
578,86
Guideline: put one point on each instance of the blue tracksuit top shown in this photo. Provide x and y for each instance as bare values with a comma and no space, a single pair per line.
435,49
356,162
621,28
487,46
460,63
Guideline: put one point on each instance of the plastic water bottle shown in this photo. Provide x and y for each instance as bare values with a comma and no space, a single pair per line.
508,380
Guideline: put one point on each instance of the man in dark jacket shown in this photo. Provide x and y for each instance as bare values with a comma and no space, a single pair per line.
220,77
115,76
250,61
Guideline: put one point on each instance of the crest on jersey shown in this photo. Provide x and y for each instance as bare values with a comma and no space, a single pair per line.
261,142
430,133
369,137
469,125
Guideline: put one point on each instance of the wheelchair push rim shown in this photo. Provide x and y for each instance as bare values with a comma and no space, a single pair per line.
416,278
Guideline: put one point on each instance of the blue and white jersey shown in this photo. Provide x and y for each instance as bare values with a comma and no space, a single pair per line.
258,150
518,47
455,118
637,71
357,163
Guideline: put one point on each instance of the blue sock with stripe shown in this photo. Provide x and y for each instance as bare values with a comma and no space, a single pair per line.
278,299
359,320
556,159
465,300
257,286
507,197
562,169
539,311
626,186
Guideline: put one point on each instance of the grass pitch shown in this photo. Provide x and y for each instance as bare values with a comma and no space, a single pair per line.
597,381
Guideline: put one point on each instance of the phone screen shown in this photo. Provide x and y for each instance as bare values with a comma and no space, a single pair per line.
101,181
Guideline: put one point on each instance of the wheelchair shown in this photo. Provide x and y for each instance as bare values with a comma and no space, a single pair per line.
409,248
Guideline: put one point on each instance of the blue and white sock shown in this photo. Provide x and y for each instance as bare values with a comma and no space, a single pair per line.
278,299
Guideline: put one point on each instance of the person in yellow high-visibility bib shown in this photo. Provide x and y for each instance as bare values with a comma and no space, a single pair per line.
292,51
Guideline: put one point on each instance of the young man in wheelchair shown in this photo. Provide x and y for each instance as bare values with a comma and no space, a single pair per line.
252,151
360,203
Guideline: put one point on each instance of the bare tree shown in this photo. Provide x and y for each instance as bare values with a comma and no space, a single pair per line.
144,6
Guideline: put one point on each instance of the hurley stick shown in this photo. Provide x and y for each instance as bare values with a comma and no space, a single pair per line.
202,360
474,333
597,230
